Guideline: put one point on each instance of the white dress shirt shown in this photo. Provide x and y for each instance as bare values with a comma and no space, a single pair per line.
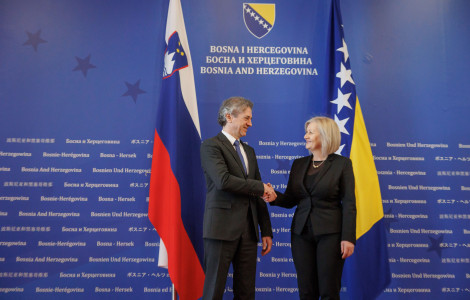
242,150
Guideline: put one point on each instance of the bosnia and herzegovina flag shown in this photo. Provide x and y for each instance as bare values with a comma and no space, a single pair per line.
176,201
366,272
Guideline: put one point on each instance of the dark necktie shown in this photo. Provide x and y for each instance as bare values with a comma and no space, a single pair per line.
237,147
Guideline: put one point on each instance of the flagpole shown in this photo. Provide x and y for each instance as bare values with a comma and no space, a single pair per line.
174,295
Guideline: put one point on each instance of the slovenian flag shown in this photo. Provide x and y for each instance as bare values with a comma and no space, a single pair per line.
366,272
176,201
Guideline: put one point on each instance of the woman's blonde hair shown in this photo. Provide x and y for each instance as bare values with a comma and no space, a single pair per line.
330,137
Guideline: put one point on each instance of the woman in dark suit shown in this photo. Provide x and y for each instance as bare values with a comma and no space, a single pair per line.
323,232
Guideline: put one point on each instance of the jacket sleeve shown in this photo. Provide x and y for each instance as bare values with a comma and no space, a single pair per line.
262,210
215,166
288,198
348,201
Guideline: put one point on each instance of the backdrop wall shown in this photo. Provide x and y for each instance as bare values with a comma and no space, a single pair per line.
79,82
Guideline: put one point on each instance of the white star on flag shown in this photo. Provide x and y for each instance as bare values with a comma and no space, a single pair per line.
344,49
342,100
341,124
345,75
340,149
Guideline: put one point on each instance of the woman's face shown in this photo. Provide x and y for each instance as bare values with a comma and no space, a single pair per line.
312,137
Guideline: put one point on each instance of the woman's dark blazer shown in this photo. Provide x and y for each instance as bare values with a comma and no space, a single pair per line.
331,205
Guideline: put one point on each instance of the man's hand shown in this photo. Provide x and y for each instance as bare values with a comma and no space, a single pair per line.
267,244
269,193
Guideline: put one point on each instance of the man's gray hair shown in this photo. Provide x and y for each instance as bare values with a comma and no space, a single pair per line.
233,106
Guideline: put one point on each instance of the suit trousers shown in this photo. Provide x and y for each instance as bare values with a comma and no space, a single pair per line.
242,253
317,259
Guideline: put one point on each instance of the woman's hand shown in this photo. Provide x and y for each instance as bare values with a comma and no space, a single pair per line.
347,249
269,193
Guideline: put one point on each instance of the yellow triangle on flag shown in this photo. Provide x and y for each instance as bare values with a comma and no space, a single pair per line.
368,198
267,11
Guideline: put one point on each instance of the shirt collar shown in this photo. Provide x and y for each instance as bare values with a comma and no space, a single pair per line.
229,136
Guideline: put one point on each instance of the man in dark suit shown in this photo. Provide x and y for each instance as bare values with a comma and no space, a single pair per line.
233,210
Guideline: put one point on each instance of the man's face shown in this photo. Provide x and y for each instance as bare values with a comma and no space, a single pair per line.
238,125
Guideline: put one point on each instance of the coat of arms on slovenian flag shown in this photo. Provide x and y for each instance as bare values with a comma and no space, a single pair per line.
259,18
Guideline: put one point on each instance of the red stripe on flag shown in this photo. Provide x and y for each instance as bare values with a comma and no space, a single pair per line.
165,214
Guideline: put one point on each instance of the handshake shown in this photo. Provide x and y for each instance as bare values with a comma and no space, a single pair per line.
269,193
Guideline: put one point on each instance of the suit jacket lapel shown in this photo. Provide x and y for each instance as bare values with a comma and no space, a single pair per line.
303,172
231,149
